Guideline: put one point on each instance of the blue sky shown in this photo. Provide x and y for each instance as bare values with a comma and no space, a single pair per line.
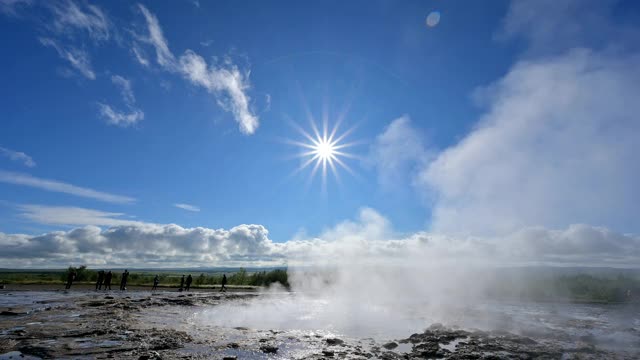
114,112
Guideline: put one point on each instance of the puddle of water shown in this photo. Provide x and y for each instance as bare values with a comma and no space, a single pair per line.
85,343
15,355
244,354
403,348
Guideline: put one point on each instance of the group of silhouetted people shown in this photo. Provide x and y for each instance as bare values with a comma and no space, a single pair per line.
188,283
104,278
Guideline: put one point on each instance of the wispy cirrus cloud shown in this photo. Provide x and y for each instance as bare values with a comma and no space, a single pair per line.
70,19
17,156
225,81
61,187
77,58
71,215
120,118
187,207
140,56
10,7
125,87
164,56
69,16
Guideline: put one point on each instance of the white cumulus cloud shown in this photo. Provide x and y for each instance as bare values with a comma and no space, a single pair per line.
369,240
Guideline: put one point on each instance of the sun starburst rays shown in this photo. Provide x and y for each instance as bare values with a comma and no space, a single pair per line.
322,151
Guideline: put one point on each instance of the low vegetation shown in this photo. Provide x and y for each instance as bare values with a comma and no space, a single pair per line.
579,287
575,287
240,277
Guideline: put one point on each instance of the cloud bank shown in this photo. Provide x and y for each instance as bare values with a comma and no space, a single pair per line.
369,240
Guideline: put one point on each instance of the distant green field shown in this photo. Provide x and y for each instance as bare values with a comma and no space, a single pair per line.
145,277
604,287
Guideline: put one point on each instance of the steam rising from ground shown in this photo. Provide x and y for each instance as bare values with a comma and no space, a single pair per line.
363,289
556,149
358,301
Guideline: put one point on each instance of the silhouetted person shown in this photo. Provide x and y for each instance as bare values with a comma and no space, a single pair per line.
189,281
123,282
156,280
100,280
181,283
224,283
107,280
70,277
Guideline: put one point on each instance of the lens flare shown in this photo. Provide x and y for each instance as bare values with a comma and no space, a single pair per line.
433,19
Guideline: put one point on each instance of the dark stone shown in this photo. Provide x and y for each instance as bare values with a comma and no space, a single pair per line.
152,355
427,349
390,345
327,353
13,313
334,341
36,351
416,338
389,356
268,349
233,345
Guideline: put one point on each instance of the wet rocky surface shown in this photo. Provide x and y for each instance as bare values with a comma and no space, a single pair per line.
160,325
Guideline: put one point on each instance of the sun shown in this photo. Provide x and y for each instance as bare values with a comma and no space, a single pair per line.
323,151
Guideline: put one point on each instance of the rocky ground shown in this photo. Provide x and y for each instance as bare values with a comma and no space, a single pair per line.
145,325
